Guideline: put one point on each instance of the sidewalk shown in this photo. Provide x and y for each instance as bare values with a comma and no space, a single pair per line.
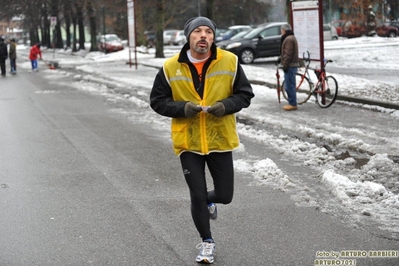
257,75
259,81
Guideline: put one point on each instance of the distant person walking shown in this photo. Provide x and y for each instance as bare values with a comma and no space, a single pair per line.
371,25
290,62
201,89
13,56
3,56
34,54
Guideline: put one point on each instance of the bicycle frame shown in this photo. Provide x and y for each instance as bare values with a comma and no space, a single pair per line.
325,90
320,73
321,85
306,72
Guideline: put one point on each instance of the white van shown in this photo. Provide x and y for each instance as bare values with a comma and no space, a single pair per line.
329,32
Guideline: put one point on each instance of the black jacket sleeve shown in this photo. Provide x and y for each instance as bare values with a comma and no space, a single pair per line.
161,98
242,93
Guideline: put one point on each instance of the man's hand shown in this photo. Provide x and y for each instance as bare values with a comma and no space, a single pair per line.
191,109
285,68
217,109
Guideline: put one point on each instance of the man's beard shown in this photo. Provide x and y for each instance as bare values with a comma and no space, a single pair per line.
201,50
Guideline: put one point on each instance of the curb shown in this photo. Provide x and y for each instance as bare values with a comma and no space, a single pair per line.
340,97
343,97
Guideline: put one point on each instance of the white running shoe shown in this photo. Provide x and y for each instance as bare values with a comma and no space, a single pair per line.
207,251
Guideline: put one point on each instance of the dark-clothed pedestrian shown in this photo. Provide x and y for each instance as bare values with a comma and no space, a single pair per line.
3,56
290,63
201,88
371,25
13,56
34,54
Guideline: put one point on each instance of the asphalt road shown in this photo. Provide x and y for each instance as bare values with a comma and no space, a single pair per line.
82,185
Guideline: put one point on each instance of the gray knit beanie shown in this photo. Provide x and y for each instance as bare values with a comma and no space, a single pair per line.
195,22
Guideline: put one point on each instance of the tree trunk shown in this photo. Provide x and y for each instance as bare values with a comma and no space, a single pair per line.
46,37
80,21
67,15
159,29
210,6
57,37
93,26
74,23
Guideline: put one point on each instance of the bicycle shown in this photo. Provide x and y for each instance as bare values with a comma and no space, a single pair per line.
325,90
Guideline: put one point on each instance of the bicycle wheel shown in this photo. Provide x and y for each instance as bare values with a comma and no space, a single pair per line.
326,97
303,89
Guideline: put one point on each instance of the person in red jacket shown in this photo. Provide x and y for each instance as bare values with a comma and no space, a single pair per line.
34,54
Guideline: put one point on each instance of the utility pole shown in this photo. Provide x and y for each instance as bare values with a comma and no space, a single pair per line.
199,8
104,39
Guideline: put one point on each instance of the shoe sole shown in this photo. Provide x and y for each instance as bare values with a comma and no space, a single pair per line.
205,260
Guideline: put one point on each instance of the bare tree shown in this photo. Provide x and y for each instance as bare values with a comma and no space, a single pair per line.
33,14
159,29
68,22
210,7
79,5
92,23
57,41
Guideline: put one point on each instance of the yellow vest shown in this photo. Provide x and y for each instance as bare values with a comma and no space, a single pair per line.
203,133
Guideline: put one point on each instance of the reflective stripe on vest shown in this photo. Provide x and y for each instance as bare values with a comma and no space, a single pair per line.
203,133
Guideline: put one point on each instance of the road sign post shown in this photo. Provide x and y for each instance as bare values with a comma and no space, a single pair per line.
53,23
131,31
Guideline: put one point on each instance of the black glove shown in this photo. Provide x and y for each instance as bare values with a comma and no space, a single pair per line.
278,60
217,109
285,69
191,109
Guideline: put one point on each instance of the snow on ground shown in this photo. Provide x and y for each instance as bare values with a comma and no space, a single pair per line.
371,190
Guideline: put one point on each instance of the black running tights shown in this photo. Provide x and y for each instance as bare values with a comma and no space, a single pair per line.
220,166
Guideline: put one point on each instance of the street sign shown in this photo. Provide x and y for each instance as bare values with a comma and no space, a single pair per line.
307,20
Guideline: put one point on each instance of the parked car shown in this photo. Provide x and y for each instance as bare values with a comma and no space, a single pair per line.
355,28
233,30
393,23
263,41
109,43
338,24
329,32
150,38
167,36
219,32
178,38
385,30
240,35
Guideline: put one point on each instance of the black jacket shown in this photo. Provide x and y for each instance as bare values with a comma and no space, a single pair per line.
161,98
3,50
